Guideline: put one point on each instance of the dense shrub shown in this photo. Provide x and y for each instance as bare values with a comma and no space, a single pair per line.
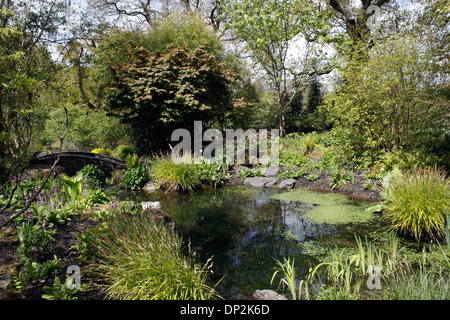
123,151
136,175
388,99
94,175
210,173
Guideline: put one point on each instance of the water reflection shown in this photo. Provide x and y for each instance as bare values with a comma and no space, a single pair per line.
245,231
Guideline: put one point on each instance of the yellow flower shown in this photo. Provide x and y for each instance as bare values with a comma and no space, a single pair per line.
102,151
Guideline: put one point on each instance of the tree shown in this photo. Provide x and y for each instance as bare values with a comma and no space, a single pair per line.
389,101
25,64
355,17
157,94
268,27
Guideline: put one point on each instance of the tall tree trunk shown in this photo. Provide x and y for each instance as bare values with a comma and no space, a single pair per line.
281,110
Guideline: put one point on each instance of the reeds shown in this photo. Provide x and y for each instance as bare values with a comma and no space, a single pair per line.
417,203
173,175
141,259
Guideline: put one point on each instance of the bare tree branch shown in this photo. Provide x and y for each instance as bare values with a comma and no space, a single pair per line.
33,198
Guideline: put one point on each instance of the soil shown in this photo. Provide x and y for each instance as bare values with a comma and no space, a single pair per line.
66,236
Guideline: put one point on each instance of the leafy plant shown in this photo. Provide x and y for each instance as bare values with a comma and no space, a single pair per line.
98,196
368,185
74,189
123,151
210,173
338,178
94,175
136,175
33,240
135,178
287,268
290,157
73,185
34,271
309,143
312,177
184,84
292,174
246,173
63,291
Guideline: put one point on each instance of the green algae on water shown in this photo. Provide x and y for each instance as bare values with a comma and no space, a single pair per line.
331,208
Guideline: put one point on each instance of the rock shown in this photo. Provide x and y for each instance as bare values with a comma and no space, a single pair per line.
150,187
155,209
287,184
4,280
146,205
260,182
271,171
267,295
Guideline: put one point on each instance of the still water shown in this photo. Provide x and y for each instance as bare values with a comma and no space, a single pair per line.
246,229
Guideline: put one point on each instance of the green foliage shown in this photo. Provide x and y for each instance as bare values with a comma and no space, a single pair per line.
174,176
287,268
25,65
136,175
338,177
34,271
33,240
141,259
246,173
368,185
74,189
312,177
292,174
94,175
407,160
294,148
210,173
87,129
123,151
417,202
309,143
62,291
135,178
387,100
98,196
172,89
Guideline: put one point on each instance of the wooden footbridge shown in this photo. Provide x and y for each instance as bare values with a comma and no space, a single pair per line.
70,162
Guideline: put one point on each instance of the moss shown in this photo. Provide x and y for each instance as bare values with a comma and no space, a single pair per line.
331,208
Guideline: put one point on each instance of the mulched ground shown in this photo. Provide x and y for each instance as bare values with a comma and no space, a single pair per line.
65,237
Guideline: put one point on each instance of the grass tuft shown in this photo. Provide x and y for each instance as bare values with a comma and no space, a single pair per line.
417,203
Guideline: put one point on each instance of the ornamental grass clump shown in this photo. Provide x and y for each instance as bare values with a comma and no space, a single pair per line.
417,202
141,259
181,175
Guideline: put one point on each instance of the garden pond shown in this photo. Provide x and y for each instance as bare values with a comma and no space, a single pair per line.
246,229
